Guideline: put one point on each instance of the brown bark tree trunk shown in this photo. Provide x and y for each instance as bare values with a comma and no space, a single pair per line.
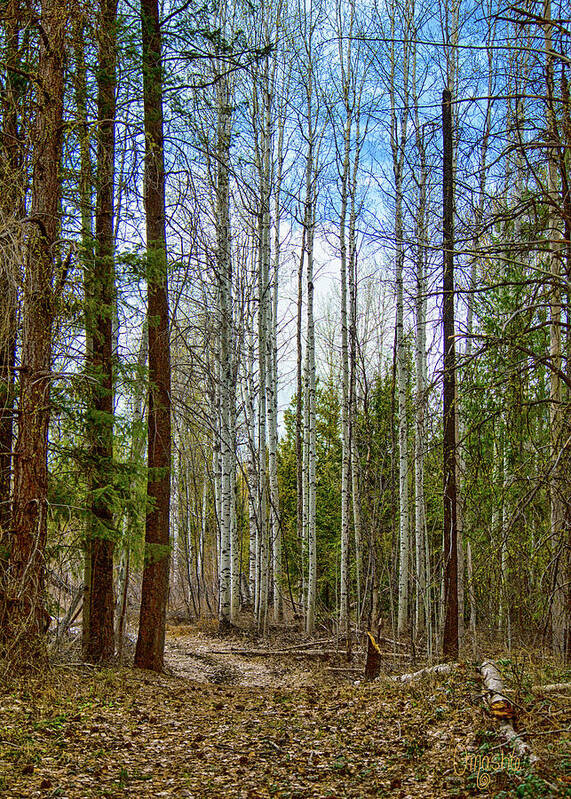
152,621
11,212
99,639
26,613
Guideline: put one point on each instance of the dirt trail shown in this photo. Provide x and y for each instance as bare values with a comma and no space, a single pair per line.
195,655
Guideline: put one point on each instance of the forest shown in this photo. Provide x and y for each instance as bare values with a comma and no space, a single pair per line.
285,365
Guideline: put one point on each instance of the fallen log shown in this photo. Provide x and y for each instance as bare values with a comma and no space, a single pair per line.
501,708
520,747
383,638
441,668
498,703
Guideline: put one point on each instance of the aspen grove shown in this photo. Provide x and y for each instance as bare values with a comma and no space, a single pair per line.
285,338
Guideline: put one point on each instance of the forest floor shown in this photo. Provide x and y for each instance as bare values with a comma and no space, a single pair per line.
221,724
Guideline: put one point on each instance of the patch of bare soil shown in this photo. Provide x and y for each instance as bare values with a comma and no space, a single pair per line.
206,658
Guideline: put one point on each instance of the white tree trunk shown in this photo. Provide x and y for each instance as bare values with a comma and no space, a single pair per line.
224,271
398,139
251,473
345,412
311,454
277,544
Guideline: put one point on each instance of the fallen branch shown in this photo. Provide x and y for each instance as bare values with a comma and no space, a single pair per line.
270,652
553,688
382,639
401,655
441,668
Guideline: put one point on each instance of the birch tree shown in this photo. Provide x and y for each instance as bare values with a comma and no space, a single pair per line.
399,88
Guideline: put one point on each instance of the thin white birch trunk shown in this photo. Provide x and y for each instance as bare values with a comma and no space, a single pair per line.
345,436
311,454
421,608
354,453
224,270
309,540
234,536
398,138
305,490
264,543
251,474
275,524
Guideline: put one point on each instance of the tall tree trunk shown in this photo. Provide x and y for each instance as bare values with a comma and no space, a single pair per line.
26,612
86,183
422,609
560,610
251,470
264,342
264,554
234,532
149,652
355,492
299,415
310,455
398,139
99,641
311,438
224,272
273,396
135,455
12,210
450,633
345,410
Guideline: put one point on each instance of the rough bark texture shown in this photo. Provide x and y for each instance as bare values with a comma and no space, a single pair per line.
26,616
11,211
150,642
99,637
